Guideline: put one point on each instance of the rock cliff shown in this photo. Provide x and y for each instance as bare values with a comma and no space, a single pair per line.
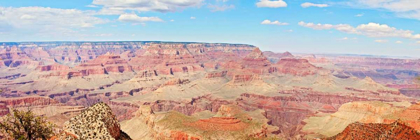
96,122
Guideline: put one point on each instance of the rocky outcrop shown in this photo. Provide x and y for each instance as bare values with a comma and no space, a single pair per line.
104,64
275,57
176,81
297,67
256,59
363,131
14,57
53,67
28,101
245,78
96,122
216,74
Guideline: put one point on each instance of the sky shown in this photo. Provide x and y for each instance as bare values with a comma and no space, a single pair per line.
373,27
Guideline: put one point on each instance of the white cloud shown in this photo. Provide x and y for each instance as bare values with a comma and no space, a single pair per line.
91,6
370,30
133,18
44,20
383,30
381,41
27,17
418,42
344,38
398,42
308,4
119,6
289,30
268,22
216,8
172,20
359,15
271,3
192,18
403,8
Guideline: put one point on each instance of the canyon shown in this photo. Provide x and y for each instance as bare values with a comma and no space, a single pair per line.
188,90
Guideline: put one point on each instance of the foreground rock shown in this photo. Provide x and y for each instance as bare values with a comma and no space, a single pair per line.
394,131
96,122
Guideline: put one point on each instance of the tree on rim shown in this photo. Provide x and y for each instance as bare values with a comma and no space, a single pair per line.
25,125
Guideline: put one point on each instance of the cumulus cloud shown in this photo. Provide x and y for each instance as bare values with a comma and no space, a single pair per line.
381,41
340,27
134,18
192,18
398,42
47,20
370,30
268,22
271,3
308,4
119,6
403,8
216,8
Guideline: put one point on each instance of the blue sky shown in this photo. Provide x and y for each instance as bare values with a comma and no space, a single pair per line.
377,27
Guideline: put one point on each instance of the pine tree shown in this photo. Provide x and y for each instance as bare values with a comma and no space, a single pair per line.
25,125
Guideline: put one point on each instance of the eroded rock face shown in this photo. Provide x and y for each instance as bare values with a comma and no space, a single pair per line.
96,122
104,64
328,125
28,101
256,59
14,57
229,123
275,57
361,131
199,78
298,67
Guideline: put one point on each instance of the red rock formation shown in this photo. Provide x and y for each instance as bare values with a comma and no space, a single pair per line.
104,64
112,63
176,81
287,112
53,67
167,59
14,57
37,53
245,78
275,57
256,59
298,67
219,124
4,110
360,131
216,74
178,135
28,101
